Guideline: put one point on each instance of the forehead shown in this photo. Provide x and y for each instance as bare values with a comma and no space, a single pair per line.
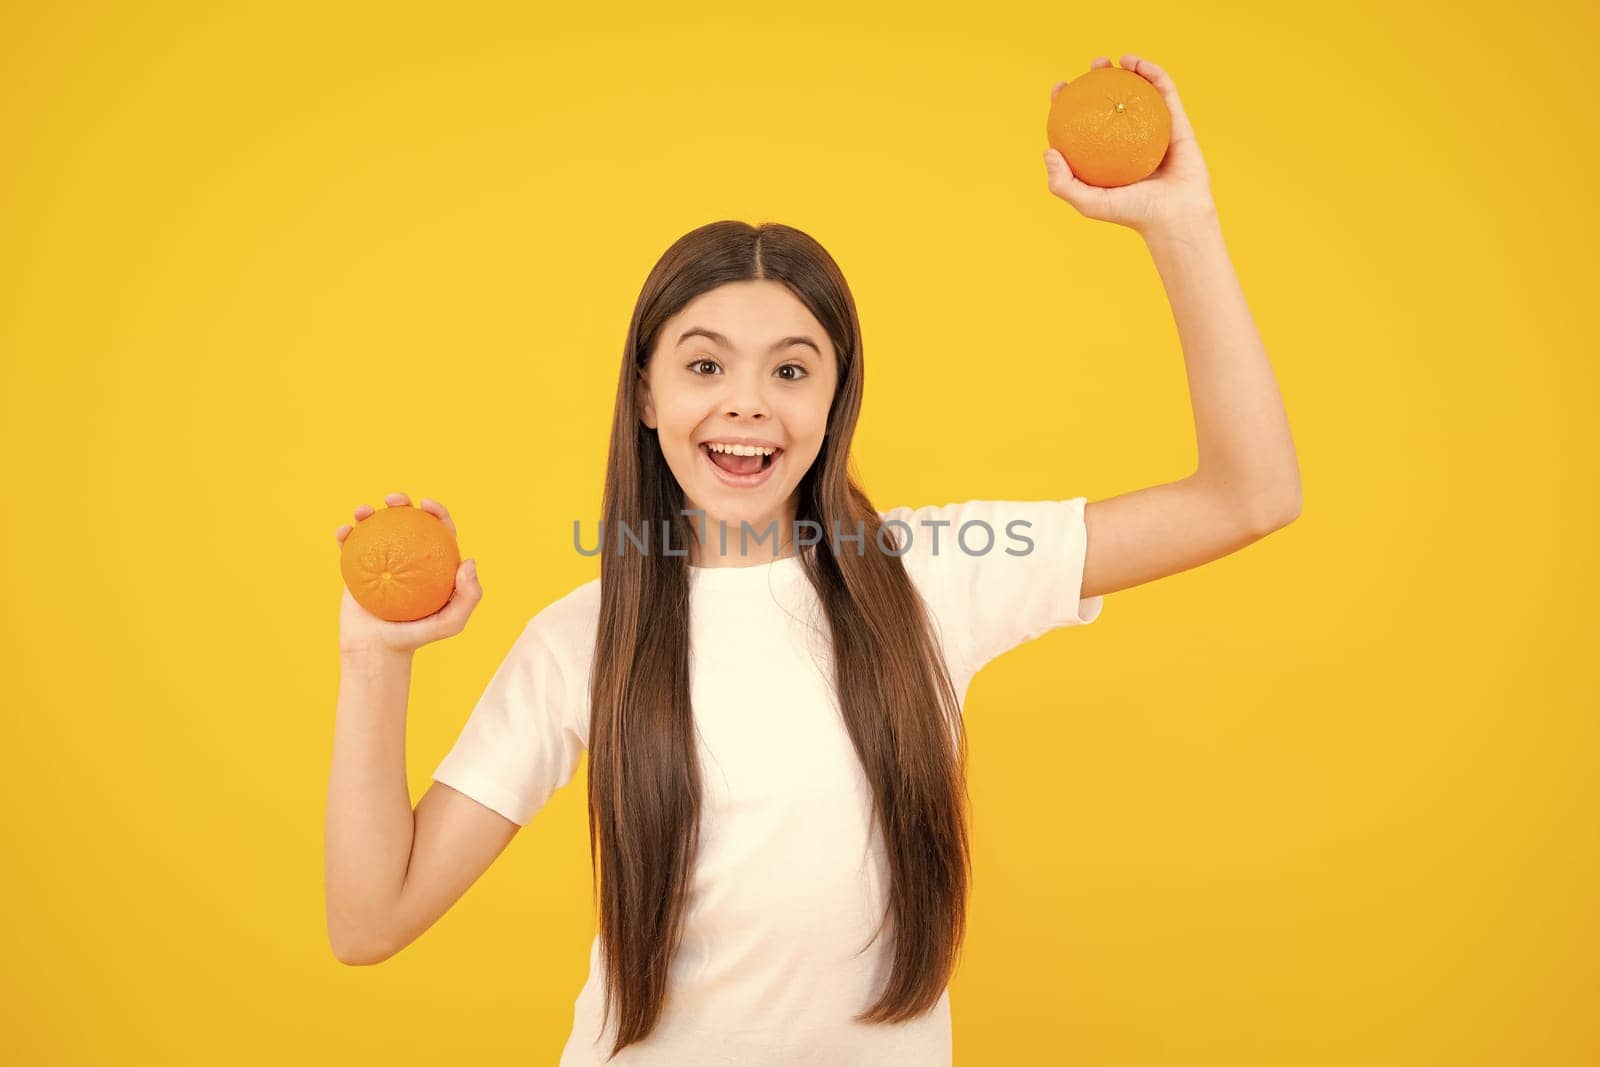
751,314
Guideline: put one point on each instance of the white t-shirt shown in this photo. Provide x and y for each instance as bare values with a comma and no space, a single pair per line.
791,879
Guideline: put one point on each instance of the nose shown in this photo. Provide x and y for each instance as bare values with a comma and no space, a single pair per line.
745,398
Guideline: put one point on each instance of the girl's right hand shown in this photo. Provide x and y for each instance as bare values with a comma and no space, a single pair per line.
362,631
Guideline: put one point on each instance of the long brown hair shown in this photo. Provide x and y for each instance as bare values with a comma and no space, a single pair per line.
894,688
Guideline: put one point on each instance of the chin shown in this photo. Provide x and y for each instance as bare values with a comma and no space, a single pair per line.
733,505
735,510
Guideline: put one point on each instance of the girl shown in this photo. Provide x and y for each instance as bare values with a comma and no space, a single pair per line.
769,688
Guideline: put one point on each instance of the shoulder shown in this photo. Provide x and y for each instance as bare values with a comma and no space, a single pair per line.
981,528
997,572
921,535
936,537
575,608
550,661
565,627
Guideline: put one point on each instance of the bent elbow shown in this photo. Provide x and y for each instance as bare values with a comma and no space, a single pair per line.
357,953
359,958
1293,511
1282,514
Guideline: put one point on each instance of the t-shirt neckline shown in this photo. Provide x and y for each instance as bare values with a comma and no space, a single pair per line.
783,566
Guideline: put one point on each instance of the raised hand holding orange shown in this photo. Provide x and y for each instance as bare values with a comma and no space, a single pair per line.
426,594
1125,176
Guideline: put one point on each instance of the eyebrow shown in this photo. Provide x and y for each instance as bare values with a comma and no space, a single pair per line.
717,338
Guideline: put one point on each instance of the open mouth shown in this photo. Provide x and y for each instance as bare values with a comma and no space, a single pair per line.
740,470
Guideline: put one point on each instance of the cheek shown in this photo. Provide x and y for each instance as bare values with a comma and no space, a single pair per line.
678,413
804,417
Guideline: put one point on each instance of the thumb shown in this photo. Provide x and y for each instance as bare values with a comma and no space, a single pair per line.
467,587
1059,175
1090,200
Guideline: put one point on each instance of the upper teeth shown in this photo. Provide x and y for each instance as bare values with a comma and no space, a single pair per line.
741,450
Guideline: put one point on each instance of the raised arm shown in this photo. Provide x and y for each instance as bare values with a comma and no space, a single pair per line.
370,826
391,871
1247,479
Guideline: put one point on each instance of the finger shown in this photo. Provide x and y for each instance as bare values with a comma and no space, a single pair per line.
433,507
1099,61
364,511
1091,200
341,533
467,594
1181,130
397,500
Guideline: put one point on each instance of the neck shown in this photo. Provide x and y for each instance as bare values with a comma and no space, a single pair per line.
724,542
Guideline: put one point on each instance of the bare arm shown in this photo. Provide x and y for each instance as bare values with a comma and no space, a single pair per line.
1247,480
392,872
1246,453
456,840
1247,483
369,830
389,871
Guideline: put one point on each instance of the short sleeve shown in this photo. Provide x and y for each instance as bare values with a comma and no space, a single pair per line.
999,573
519,745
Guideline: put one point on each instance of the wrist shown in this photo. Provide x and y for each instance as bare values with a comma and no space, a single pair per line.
369,656
1183,225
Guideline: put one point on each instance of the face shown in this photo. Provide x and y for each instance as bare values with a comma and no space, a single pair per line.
745,361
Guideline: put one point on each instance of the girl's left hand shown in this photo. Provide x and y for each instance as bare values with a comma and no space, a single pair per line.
1178,190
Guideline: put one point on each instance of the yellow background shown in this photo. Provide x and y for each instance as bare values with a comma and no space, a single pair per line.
1329,800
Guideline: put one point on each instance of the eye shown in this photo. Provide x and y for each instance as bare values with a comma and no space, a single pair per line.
800,371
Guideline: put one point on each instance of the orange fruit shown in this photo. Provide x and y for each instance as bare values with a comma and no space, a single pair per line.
400,563
1111,125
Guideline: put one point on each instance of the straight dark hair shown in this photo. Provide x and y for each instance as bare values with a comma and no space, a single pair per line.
894,688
